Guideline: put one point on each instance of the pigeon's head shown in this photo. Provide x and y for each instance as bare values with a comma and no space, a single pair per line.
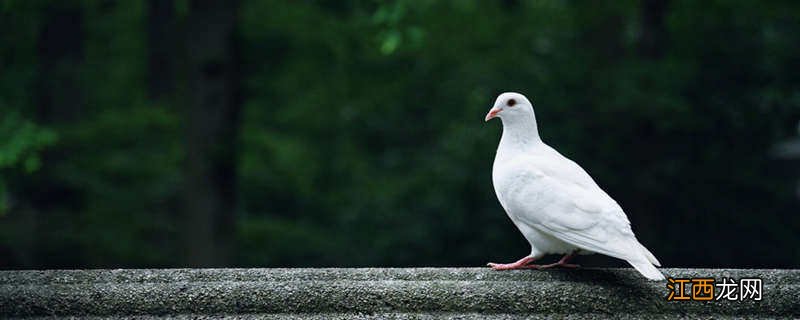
510,105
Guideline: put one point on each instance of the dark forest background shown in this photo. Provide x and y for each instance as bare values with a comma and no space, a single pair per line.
350,133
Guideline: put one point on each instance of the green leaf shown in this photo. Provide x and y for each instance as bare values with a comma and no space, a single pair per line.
390,42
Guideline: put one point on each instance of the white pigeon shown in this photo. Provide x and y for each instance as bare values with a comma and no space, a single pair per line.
553,201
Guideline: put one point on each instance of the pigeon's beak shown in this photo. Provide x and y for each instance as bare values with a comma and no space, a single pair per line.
492,114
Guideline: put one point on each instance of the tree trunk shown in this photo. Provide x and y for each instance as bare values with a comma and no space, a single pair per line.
59,100
60,52
653,39
212,125
161,48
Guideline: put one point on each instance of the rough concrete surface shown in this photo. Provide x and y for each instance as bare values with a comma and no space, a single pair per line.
380,293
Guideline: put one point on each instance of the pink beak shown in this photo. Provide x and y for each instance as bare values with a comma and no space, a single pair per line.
492,114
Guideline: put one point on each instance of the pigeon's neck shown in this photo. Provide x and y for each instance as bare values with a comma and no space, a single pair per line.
520,133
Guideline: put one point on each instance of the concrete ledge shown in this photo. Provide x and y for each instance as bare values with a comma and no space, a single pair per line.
372,293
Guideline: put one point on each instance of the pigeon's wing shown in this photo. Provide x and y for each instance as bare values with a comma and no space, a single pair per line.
555,199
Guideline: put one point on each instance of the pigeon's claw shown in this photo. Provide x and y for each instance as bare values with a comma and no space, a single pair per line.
559,264
511,266
523,263
562,263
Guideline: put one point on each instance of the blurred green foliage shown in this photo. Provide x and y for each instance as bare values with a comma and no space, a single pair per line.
22,142
362,141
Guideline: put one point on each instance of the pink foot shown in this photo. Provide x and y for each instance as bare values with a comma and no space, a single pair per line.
561,263
520,264
558,264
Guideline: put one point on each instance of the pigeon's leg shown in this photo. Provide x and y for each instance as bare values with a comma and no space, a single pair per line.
520,264
562,263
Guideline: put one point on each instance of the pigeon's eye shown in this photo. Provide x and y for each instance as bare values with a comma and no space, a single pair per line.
511,102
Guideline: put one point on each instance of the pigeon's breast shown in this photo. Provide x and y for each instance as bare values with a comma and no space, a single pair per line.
515,183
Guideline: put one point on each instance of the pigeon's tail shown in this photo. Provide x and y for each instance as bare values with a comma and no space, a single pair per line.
647,269
650,256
